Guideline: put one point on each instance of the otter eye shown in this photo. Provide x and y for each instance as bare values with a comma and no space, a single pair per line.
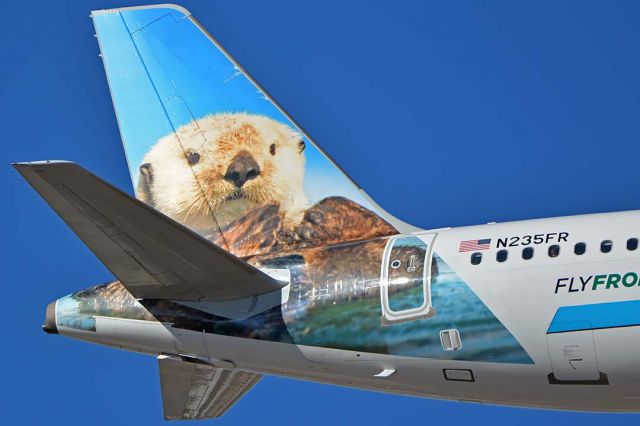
272,149
193,158
301,146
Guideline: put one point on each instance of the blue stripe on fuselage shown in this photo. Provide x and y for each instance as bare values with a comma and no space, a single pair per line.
596,316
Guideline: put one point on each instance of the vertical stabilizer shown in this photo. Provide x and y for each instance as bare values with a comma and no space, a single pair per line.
209,148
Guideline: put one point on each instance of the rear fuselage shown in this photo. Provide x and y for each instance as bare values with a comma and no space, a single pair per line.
468,313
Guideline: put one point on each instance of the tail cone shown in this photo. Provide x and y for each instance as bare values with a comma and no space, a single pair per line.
49,326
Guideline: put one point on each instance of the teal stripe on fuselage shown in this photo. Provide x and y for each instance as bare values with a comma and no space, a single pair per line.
596,316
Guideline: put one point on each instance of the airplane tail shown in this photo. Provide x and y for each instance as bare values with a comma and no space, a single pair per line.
208,147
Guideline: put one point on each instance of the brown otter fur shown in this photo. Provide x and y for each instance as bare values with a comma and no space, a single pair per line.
331,221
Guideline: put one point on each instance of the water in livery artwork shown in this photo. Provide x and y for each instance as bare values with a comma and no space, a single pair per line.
209,149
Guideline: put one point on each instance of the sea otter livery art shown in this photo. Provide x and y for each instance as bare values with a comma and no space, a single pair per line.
215,169
247,251
208,148
230,166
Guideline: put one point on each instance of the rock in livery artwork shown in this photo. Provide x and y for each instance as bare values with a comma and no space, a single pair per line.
208,148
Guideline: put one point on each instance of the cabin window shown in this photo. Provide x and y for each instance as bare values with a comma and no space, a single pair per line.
502,255
606,246
527,253
554,250
580,248
632,244
476,258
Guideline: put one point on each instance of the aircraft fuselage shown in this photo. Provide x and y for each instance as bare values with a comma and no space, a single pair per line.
558,327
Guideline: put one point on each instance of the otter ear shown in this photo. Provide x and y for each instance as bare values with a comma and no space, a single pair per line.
146,172
301,146
143,190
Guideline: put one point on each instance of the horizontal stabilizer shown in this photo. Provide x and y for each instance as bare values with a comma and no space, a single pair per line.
193,390
152,255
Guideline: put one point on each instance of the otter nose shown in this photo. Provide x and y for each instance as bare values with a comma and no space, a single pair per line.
242,169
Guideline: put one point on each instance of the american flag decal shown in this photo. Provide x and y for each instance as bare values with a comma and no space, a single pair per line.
475,245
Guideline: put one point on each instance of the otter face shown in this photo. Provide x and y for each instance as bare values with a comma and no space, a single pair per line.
221,166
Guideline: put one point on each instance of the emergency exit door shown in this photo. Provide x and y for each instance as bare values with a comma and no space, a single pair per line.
405,284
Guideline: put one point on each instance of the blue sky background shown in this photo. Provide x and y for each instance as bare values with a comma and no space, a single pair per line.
447,113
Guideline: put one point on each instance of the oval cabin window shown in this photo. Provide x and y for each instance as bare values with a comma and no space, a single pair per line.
476,258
